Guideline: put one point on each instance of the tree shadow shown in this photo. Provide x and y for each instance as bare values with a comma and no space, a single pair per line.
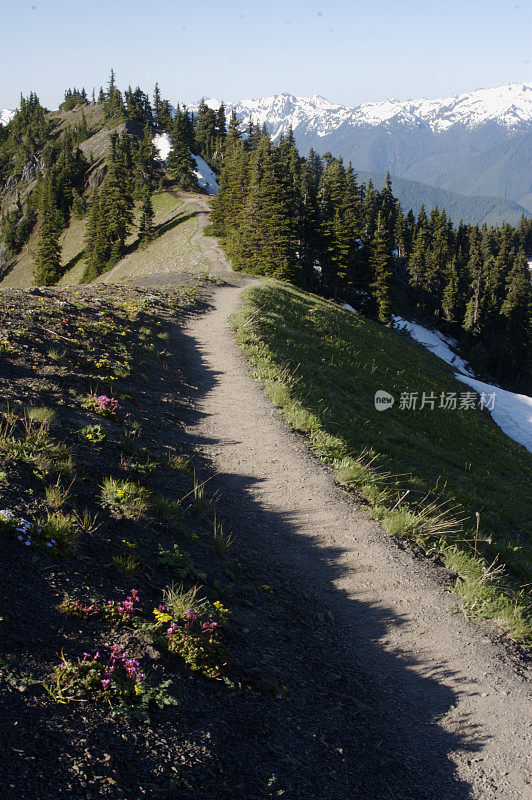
72,263
173,222
326,712
346,718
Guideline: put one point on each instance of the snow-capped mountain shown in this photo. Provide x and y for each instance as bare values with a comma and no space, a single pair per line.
509,106
6,115
478,143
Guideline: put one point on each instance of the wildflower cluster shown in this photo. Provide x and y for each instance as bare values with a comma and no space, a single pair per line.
194,640
28,533
106,406
121,612
115,612
116,679
5,348
124,497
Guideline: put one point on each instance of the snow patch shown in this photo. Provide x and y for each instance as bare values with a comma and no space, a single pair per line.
205,175
161,142
6,115
435,341
512,412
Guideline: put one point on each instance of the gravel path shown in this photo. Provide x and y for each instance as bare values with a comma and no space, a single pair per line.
442,699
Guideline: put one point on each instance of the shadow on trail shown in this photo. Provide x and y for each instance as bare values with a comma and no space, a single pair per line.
332,715
346,719
173,222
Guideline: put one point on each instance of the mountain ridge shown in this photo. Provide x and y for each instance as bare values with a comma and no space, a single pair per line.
509,104
477,144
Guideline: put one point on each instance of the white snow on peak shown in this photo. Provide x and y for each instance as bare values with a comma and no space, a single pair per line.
512,412
211,102
509,106
6,115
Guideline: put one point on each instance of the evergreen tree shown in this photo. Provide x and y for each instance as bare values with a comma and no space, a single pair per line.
380,261
113,103
451,297
47,266
157,105
263,241
147,231
516,309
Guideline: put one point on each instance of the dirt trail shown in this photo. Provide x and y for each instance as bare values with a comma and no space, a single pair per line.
444,679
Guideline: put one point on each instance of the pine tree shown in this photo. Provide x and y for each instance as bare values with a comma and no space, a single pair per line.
380,261
179,161
475,269
157,106
451,298
113,103
47,266
516,309
147,231
263,242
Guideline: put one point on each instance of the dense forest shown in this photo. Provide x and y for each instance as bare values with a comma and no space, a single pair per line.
306,220
309,221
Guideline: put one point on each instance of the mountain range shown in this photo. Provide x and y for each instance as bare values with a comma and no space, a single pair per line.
470,153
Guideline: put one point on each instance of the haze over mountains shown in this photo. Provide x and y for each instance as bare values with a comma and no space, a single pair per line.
476,145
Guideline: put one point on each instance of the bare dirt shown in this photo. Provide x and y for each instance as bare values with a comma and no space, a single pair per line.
428,704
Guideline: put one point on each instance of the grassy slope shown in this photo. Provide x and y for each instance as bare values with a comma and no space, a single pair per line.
322,366
172,251
165,206
123,342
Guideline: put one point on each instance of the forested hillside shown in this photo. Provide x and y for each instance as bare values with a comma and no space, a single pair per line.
311,222
308,220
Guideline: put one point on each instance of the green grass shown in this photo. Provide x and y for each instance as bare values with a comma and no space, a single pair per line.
170,253
174,245
124,497
322,365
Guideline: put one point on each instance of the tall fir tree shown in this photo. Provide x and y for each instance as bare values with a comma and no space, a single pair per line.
380,262
147,231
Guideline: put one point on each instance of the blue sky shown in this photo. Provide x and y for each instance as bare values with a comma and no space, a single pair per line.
349,52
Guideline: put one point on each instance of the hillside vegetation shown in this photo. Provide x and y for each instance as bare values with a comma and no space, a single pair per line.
425,473
128,666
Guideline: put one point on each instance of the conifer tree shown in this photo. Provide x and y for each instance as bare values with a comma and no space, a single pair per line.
516,309
47,265
263,240
450,297
113,103
146,226
157,106
380,261
474,266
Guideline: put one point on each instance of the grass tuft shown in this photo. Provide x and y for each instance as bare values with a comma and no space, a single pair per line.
427,474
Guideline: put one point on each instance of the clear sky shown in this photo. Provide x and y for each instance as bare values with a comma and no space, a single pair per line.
349,52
